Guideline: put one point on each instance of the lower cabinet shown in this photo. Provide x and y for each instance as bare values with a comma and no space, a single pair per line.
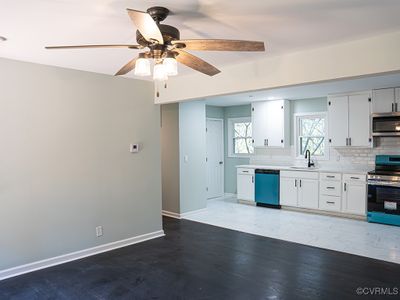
308,193
288,191
330,203
245,184
299,189
330,192
354,194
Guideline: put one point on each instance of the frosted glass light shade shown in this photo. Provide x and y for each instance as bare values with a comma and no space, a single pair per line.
159,72
142,67
171,66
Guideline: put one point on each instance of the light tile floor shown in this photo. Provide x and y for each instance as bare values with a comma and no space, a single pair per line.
346,235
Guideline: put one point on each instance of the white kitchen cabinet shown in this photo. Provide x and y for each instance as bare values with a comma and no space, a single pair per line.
330,192
384,100
360,120
308,193
288,191
299,189
258,123
349,120
245,184
354,194
270,121
338,118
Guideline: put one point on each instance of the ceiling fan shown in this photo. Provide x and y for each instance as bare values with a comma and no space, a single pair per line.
163,45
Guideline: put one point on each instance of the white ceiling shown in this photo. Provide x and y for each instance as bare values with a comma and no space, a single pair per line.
314,90
285,26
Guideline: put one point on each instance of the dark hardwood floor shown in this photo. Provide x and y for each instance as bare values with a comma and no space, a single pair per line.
198,261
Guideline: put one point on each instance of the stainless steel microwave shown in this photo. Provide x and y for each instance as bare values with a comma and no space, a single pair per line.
386,124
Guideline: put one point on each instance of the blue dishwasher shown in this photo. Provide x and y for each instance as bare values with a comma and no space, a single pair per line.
267,188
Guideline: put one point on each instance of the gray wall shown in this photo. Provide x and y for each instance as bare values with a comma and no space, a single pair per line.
170,157
65,165
192,143
215,112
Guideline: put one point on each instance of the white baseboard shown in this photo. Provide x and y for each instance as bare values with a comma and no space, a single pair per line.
186,214
228,195
49,262
180,216
171,214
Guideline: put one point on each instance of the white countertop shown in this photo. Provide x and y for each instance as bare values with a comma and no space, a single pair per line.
352,170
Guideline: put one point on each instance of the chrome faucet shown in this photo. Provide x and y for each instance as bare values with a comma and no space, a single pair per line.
308,155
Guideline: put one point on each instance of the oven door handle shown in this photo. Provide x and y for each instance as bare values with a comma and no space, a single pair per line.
384,183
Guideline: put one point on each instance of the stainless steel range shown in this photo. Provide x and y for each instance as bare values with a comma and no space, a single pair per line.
384,190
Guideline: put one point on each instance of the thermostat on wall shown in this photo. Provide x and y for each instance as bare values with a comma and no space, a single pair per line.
134,148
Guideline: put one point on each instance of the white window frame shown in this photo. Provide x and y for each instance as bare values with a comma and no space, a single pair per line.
230,122
296,120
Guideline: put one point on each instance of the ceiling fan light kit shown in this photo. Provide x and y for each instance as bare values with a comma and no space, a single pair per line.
166,49
142,66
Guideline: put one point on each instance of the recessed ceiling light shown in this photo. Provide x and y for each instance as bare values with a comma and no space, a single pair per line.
2,39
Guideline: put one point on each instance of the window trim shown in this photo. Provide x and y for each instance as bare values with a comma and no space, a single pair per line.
296,120
230,122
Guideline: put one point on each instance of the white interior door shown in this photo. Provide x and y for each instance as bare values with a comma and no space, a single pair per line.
215,158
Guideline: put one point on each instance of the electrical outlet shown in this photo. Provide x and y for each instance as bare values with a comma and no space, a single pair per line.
134,148
99,231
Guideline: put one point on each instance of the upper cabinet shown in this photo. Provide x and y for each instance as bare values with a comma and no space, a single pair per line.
270,121
386,100
349,120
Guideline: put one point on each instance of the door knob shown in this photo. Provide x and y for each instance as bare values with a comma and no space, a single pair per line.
221,162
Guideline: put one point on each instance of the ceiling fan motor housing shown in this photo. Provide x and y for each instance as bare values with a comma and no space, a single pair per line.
158,13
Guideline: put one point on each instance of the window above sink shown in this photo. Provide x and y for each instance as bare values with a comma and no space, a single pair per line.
311,134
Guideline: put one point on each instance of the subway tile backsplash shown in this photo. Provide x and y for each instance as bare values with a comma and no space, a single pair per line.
384,145
337,156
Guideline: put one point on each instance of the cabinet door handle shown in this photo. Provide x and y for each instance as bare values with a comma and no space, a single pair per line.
347,141
330,187
252,179
392,107
295,183
300,182
330,176
330,202
395,106
345,186
245,171
354,177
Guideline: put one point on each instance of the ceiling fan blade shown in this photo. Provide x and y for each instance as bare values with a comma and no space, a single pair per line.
95,46
195,63
146,25
127,68
221,45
